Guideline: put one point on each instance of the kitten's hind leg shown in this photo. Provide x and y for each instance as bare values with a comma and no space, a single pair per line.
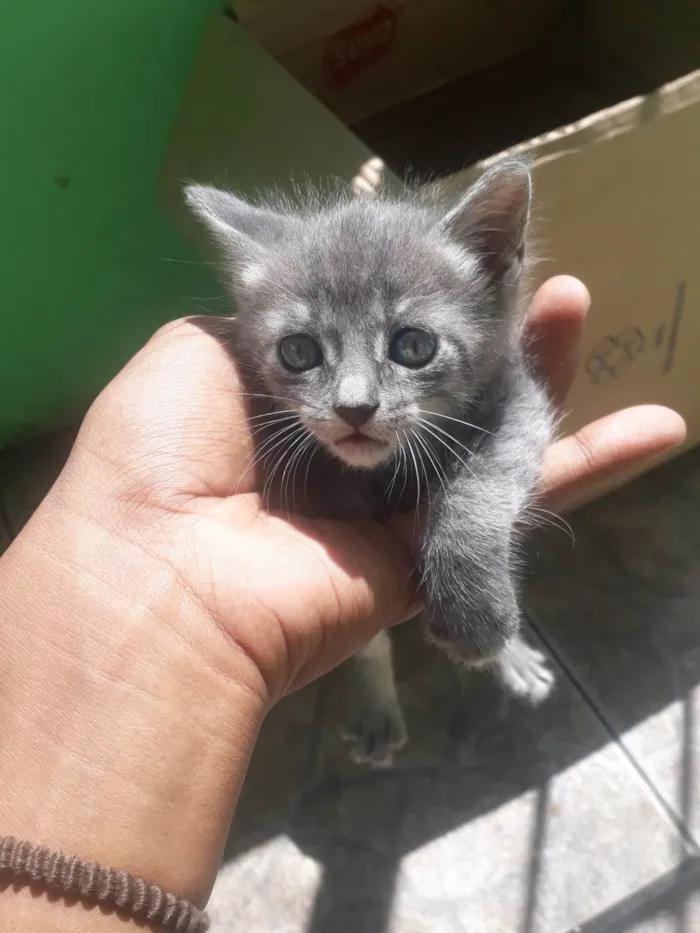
369,177
376,725
523,671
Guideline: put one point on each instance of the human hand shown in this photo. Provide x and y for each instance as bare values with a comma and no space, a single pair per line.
171,444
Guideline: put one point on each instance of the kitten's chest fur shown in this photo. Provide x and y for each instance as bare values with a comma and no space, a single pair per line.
325,488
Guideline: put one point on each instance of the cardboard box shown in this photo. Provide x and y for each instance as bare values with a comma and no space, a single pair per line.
617,183
361,56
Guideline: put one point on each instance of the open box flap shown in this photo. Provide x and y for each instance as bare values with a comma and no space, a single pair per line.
598,127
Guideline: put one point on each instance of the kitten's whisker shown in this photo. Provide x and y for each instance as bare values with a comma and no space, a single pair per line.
297,459
390,487
553,520
204,298
314,449
290,469
434,427
260,424
437,466
428,428
284,489
275,398
187,262
404,460
451,437
284,455
265,449
284,443
259,428
539,521
467,424
419,440
291,452
311,450
418,489
271,414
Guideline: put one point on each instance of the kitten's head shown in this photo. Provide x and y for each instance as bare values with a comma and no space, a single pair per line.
372,318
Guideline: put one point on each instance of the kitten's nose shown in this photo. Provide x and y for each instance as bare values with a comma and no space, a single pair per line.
355,415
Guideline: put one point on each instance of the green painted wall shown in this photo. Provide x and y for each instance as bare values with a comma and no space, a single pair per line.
89,90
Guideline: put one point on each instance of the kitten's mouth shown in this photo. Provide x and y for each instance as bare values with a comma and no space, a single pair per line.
357,440
357,437
360,449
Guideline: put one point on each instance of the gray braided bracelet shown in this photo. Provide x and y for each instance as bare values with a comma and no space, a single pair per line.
131,896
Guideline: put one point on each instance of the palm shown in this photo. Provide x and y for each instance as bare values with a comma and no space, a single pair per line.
292,590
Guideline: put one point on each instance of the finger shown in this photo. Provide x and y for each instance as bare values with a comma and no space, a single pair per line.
357,580
621,443
176,414
554,326
382,575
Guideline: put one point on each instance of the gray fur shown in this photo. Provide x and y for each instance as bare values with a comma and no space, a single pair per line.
459,440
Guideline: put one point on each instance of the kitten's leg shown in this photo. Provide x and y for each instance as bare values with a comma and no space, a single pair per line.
376,727
469,546
369,178
478,620
523,671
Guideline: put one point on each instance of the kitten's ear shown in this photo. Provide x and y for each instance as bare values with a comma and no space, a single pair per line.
237,226
491,218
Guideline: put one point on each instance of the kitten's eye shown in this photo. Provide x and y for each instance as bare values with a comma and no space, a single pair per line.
412,347
300,352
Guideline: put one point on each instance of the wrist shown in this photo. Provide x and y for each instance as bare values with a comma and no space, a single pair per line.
126,730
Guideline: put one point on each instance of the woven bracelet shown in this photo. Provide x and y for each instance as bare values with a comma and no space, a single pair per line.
88,881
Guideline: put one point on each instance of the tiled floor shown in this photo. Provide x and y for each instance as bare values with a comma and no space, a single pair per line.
581,816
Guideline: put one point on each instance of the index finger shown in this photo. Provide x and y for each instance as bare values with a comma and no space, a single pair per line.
553,330
618,445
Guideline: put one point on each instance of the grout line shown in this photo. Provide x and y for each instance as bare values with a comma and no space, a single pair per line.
656,899
600,715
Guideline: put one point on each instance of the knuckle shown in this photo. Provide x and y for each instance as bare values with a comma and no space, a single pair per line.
586,450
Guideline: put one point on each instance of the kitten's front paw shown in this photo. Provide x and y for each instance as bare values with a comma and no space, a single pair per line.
375,734
524,672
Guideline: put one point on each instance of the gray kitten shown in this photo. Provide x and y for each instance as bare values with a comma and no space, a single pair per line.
384,337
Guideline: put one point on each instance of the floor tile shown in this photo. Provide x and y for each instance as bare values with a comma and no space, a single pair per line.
623,611
670,904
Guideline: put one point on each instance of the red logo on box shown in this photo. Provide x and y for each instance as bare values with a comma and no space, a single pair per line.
356,47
